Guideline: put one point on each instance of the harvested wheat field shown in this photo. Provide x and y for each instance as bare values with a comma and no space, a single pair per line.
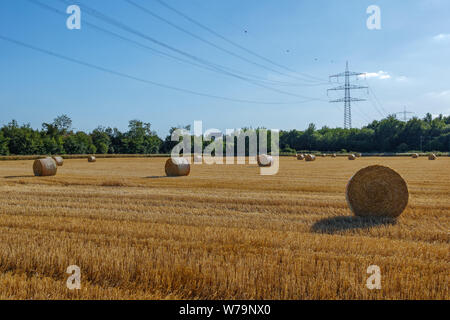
223,232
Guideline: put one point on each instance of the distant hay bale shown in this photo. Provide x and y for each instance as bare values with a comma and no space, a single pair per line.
432,157
310,157
351,157
92,159
59,160
264,160
176,167
415,155
198,158
45,167
300,157
377,191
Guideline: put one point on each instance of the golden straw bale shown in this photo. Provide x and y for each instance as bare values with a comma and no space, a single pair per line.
45,167
59,160
310,157
92,159
300,157
176,167
351,157
264,160
377,191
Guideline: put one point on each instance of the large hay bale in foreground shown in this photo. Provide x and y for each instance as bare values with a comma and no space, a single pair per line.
377,191
59,160
310,157
432,157
415,155
92,159
300,157
45,167
176,167
264,160
351,157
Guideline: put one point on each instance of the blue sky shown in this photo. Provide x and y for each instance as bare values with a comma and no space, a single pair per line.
407,62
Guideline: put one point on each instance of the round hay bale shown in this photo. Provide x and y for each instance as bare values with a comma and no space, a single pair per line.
45,167
310,157
301,157
415,155
377,191
59,160
432,157
264,160
92,159
176,167
351,157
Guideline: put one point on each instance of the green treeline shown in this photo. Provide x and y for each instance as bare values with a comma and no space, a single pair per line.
387,135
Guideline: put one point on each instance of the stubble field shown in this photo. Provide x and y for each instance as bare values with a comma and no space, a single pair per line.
224,232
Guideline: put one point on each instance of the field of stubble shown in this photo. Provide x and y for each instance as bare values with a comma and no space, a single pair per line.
224,232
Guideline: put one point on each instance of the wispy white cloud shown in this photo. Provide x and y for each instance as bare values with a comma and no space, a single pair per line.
442,37
382,75
445,94
402,78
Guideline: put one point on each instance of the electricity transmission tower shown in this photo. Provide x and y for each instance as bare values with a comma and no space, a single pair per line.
405,114
347,99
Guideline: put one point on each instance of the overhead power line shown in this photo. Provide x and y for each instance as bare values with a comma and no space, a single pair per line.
156,51
124,75
118,24
156,16
199,24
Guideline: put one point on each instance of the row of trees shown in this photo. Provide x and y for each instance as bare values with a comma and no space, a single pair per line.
387,135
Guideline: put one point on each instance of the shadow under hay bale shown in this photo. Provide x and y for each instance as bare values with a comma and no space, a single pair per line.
342,224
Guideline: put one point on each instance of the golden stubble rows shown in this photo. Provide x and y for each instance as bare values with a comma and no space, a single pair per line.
224,232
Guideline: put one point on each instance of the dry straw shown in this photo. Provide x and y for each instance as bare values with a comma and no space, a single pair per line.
300,157
176,167
44,167
432,157
310,157
91,159
377,191
351,157
264,160
59,160
415,155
